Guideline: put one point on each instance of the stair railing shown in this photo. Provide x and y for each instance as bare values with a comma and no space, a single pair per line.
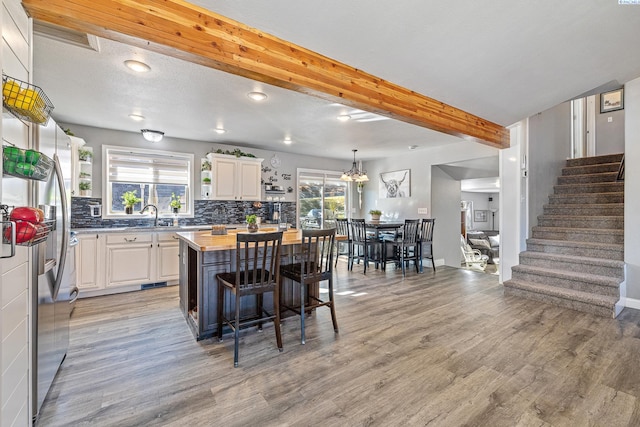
621,170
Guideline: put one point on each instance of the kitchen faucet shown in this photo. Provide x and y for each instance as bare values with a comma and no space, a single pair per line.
155,223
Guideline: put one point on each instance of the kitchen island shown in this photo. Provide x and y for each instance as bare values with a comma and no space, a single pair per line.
202,256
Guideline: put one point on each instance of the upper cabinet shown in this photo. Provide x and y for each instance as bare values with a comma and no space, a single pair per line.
235,178
82,168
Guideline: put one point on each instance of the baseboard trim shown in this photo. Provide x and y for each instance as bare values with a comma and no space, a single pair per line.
632,303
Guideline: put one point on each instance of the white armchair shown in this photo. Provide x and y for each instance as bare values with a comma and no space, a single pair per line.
472,257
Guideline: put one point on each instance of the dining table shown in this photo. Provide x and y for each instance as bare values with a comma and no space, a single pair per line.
383,226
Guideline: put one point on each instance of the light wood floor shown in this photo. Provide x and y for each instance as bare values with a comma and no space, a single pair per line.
443,349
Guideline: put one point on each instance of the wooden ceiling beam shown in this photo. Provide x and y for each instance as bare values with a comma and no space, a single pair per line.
183,30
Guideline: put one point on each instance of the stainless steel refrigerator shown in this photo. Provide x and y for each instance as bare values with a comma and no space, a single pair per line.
53,272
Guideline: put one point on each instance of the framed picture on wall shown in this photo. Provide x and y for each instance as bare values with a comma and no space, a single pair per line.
395,184
612,101
479,216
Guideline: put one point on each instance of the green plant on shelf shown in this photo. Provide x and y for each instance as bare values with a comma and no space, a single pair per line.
85,175
84,155
84,186
206,181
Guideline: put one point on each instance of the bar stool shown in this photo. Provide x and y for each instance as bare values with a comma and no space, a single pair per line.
313,264
344,247
257,272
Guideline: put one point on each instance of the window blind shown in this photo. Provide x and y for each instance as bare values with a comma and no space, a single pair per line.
147,168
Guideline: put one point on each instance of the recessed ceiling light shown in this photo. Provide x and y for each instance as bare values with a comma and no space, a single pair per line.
287,140
257,96
152,135
220,131
344,117
136,117
413,147
137,66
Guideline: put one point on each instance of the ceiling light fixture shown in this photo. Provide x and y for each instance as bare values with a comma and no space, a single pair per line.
220,131
257,96
287,140
344,117
136,117
152,135
137,66
356,174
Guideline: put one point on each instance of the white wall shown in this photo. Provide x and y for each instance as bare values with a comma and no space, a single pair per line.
609,134
631,190
549,147
481,202
446,233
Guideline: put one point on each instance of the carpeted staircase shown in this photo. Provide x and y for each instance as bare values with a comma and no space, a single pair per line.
575,257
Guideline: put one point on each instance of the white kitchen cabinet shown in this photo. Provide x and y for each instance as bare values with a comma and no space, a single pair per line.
122,261
129,258
167,254
90,262
235,178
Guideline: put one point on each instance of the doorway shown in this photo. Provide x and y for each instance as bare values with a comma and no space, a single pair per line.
322,198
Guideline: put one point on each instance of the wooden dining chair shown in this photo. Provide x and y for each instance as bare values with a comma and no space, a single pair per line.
404,246
312,264
344,247
257,272
425,237
364,248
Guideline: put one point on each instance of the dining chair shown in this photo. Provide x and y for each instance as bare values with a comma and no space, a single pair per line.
257,272
312,264
425,238
364,248
344,247
404,246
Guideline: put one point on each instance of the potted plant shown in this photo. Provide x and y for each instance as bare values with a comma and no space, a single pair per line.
206,181
252,223
129,199
84,155
375,214
175,203
85,188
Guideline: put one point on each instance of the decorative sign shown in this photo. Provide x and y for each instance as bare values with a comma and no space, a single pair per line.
286,176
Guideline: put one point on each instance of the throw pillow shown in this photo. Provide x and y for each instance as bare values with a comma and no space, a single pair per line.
480,242
494,240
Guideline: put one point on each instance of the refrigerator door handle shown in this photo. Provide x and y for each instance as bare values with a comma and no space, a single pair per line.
65,232
75,293
12,226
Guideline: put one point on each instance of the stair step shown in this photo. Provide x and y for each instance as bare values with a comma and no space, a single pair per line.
594,209
589,178
585,249
581,221
588,169
576,300
583,161
578,264
587,198
602,187
602,285
578,234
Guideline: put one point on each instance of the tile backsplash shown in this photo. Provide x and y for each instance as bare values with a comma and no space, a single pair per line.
206,212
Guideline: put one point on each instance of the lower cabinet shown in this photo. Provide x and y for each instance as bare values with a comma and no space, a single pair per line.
116,262
129,259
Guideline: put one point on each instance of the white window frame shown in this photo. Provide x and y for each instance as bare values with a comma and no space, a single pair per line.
107,202
325,173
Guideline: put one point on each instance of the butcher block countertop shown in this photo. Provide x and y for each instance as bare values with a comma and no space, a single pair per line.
203,240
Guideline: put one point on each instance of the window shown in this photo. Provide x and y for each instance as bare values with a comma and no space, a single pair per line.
154,176
322,197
